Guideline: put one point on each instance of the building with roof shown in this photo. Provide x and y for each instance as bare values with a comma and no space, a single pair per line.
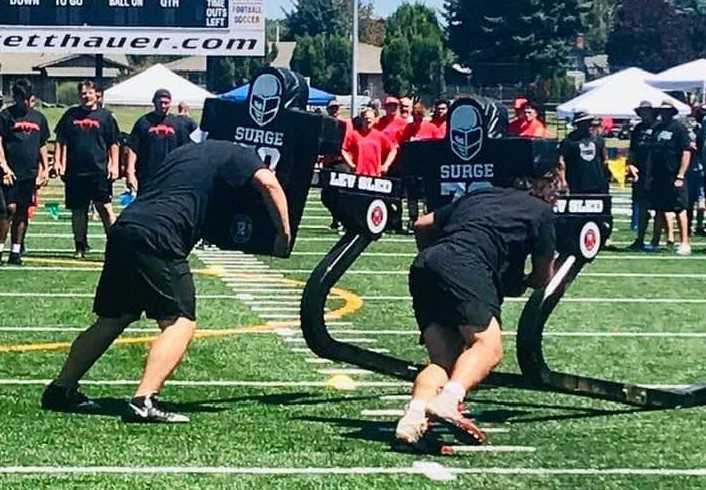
46,71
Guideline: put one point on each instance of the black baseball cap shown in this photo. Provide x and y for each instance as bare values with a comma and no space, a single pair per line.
162,93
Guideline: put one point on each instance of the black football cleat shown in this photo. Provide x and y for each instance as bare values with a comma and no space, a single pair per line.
15,259
60,399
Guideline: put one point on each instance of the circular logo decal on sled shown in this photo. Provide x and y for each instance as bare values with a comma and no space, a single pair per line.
241,229
376,217
590,240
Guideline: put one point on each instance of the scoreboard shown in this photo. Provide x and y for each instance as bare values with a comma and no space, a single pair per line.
215,27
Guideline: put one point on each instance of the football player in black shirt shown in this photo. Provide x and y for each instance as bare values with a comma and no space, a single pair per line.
639,167
582,160
87,158
472,254
23,161
670,153
192,196
153,136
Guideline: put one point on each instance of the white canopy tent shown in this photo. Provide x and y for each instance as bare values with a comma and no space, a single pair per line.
617,99
138,90
689,76
633,74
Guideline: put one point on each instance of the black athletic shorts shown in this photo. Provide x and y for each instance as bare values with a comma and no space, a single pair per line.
3,206
20,193
80,191
135,281
434,303
666,197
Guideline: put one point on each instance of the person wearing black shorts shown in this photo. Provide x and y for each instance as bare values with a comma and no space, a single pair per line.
88,161
23,162
671,155
153,136
472,254
639,164
193,196
582,159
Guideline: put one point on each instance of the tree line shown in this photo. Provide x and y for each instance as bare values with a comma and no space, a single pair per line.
528,41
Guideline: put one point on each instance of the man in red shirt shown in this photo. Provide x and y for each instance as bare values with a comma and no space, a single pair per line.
371,150
529,127
419,128
406,106
391,122
439,116
334,110
516,124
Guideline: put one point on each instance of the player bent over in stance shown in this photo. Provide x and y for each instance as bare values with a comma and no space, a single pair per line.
472,254
192,197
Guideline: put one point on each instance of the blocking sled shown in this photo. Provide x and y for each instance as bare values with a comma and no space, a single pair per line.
475,153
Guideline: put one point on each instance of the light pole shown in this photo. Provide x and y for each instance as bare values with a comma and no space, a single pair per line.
354,66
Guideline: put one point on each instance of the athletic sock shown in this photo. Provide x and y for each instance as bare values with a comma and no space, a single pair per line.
417,405
2,248
455,389
16,248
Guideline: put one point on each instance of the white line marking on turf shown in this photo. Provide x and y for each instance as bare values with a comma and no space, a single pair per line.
583,274
318,360
427,469
83,295
32,268
442,429
566,300
382,413
510,333
348,371
214,383
493,449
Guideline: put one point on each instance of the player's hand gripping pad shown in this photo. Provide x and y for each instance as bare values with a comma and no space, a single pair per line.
273,120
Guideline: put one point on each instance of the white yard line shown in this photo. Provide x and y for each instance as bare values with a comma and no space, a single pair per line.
214,383
431,470
566,300
661,335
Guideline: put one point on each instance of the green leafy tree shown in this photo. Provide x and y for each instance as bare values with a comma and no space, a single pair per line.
597,18
325,60
396,66
537,35
313,17
226,72
338,65
413,38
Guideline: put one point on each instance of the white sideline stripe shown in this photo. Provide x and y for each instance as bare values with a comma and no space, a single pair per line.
301,349
583,274
396,397
83,295
510,333
318,360
278,316
565,300
442,429
412,255
273,303
60,223
334,371
32,268
382,413
431,470
60,235
220,383
270,308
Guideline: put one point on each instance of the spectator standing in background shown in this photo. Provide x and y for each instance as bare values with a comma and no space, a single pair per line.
531,126
439,116
153,137
87,158
185,115
639,169
406,106
582,159
24,164
515,126
419,128
670,161
371,151
391,122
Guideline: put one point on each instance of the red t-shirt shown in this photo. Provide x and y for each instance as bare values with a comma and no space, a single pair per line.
369,151
528,129
390,125
413,132
440,125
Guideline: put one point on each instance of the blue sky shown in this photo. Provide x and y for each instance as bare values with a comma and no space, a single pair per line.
273,8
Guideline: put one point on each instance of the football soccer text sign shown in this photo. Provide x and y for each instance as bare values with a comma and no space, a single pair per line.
207,27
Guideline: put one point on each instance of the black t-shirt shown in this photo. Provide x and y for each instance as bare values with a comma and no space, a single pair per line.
583,156
669,141
190,196
189,124
152,138
640,152
88,135
23,134
495,228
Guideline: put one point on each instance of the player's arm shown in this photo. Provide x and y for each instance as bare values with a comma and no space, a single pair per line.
391,155
60,158
685,159
113,161
348,159
43,174
130,173
8,176
424,231
561,173
276,202
543,248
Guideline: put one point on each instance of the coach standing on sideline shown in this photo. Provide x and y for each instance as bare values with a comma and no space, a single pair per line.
582,159
153,137
23,162
193,196
87,158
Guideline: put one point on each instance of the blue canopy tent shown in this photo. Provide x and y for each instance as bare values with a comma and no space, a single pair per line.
316,97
